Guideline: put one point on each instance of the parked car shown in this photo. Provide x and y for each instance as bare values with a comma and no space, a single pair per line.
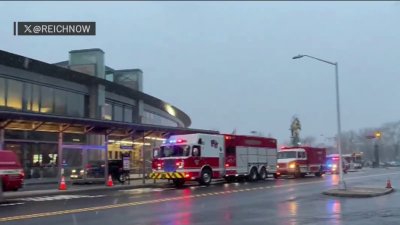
393,163
95,170
11,172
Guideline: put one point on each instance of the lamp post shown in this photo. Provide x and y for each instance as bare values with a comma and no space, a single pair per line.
342,184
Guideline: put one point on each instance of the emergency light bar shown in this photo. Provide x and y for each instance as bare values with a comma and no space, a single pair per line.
174,141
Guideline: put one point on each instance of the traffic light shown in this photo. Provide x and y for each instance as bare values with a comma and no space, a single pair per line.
378,134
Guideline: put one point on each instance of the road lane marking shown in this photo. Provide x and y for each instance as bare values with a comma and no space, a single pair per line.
121,205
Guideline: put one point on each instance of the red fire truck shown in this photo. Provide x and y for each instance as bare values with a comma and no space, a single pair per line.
203,157
300,161
11,172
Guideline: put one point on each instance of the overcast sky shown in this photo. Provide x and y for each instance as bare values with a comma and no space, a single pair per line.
229,64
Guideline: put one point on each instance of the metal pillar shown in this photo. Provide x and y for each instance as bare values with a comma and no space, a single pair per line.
1,138
106,158
144,162
84,161
376,153
60,158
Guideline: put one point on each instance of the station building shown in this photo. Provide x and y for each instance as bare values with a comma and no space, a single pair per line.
81,88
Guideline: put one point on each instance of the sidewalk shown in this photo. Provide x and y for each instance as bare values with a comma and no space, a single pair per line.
45,190
358,192
42,181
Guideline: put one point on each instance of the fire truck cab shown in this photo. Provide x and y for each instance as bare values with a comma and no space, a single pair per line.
300,161
203,157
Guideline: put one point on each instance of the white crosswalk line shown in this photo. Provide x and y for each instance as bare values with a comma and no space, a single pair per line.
145,190
57,197
11,204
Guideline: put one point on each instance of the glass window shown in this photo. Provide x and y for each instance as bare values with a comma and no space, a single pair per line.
60,103
2,92
196,150
80,104
286,155
110,77
117,113
116,155
47,98
14,94
75,104
175,150
107,111
35,98
151,118
27,96
127,114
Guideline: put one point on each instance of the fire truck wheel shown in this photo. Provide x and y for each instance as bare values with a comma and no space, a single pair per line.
206,176
178,182
263,174
253,174
276,176
318,174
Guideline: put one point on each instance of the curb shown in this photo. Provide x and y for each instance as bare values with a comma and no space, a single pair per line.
358,195
41,183
15,195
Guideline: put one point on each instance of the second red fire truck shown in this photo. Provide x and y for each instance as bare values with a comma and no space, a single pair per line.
300,161
203,157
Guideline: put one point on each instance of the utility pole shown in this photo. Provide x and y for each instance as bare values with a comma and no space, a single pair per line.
376,147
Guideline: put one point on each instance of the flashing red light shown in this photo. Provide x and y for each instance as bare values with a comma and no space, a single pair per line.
187,175
180,141
179,165
227,165
335,158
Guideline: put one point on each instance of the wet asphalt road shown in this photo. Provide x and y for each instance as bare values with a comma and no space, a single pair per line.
283,201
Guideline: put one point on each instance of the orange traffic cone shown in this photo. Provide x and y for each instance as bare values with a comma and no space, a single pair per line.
62,186
110,182
388,184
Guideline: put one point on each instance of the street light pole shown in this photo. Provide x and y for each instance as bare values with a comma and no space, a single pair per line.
342,184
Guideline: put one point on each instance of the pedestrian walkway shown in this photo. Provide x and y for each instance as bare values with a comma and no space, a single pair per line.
54,180
52,189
